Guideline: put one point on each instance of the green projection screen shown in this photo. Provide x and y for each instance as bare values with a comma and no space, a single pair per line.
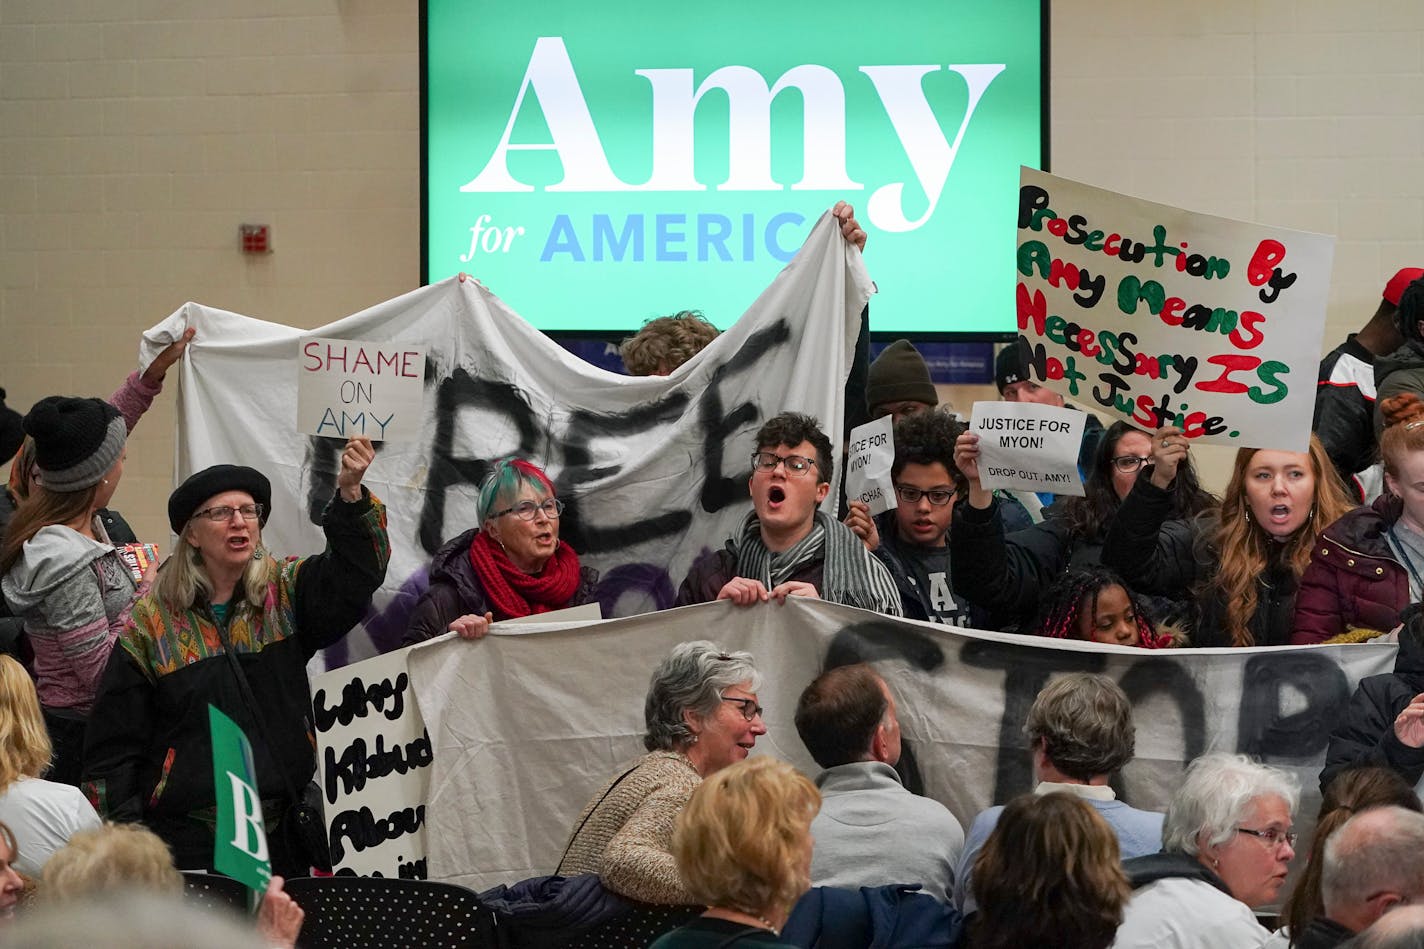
600,164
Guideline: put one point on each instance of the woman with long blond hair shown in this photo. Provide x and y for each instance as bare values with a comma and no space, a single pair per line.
1243,562
43,814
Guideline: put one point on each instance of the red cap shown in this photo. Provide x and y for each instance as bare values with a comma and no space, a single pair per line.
1395,288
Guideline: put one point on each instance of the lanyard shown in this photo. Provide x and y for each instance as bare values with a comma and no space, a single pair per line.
1408,562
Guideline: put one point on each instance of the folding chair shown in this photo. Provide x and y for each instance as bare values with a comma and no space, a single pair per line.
348,912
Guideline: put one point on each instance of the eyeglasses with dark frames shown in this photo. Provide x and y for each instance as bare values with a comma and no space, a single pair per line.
910,494
224,512
1272,837
750,710
1126,463
768,460
528,510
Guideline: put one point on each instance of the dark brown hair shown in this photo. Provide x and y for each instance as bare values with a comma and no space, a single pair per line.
1050,874
838,713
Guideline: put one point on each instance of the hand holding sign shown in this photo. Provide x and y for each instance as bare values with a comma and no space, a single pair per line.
966,459
355,460
862,524
1169,450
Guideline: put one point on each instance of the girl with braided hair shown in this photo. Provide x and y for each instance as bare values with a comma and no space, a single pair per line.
1367,566
1093,604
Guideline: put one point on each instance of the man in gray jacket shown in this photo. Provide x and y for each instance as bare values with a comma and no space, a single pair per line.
870,831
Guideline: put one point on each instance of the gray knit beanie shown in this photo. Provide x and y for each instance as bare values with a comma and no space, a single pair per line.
77,441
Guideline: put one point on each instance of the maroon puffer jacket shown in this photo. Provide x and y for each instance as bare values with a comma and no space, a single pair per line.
1354,580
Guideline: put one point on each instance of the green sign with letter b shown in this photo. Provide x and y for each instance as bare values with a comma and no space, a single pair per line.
241,848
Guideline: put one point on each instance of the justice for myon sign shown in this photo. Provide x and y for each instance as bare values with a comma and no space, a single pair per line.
596,165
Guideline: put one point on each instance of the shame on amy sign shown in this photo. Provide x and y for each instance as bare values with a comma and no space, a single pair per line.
348,387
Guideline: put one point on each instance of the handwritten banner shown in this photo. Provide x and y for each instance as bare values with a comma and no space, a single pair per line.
1167,317
355,387
869,459
1024,446
525,728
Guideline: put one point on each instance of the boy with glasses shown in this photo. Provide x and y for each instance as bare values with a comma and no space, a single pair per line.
911,540
786,546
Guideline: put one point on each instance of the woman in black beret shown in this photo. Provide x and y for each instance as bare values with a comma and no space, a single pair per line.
222,603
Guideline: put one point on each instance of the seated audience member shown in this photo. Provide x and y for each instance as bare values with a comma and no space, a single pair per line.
1093,604
743,848
1403,370
1401,929
12,886
43,814
129,860
1373,864
512,565
1015,384
1080,732
1384,722
702,715
1352,792
1244,563
899,383
1226,843
912,538
1009,575
132,921
871,831
1345,394
786,546
1050,874
222,603
665,343
1366,567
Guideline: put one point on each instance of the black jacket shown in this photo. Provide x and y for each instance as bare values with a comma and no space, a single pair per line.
148,749
1366,735
1173,558
1344,410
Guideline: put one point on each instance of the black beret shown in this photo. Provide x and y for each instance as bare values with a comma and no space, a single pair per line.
185,500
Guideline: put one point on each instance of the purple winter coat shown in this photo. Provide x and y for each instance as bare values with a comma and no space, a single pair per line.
1353,580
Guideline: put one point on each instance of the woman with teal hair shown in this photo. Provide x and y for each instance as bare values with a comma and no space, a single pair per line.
512,565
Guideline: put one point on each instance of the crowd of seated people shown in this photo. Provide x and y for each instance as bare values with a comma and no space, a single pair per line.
118,665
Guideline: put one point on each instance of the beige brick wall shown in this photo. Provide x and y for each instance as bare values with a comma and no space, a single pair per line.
135,135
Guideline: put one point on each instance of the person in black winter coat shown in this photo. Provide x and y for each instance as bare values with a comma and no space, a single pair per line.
1384,723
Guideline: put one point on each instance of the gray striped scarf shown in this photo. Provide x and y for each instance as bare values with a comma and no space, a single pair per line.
850,573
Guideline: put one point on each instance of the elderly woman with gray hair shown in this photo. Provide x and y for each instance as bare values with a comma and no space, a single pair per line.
702,715
1226,844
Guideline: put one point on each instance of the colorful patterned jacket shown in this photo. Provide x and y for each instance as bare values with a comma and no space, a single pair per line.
148,752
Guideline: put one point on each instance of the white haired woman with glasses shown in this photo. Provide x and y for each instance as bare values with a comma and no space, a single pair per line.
227,624
512,565
702,715
1226,843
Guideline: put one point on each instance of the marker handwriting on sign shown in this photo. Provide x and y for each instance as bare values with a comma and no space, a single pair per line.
355,765
319,356
358,698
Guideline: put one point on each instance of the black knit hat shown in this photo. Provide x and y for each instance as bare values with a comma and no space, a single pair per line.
12,430
77,441
185,500
899,374
1010,366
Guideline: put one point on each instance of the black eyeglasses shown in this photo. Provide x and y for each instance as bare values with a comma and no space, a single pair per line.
1272,836
750,709
939,497
527,510
249,512
768,460
1126,463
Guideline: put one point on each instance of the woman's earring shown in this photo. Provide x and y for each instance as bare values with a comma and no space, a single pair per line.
258,554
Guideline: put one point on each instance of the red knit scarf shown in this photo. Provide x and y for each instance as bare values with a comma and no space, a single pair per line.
512,592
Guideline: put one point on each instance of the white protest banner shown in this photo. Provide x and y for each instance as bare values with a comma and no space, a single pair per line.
373,756
360,387
1025,446
653,470
526,728
1161,316
870,456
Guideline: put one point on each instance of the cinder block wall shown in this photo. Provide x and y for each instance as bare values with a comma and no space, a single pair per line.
136,135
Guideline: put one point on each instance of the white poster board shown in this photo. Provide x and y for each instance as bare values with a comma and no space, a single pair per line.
1025,446
1162,316
870,456
348,387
